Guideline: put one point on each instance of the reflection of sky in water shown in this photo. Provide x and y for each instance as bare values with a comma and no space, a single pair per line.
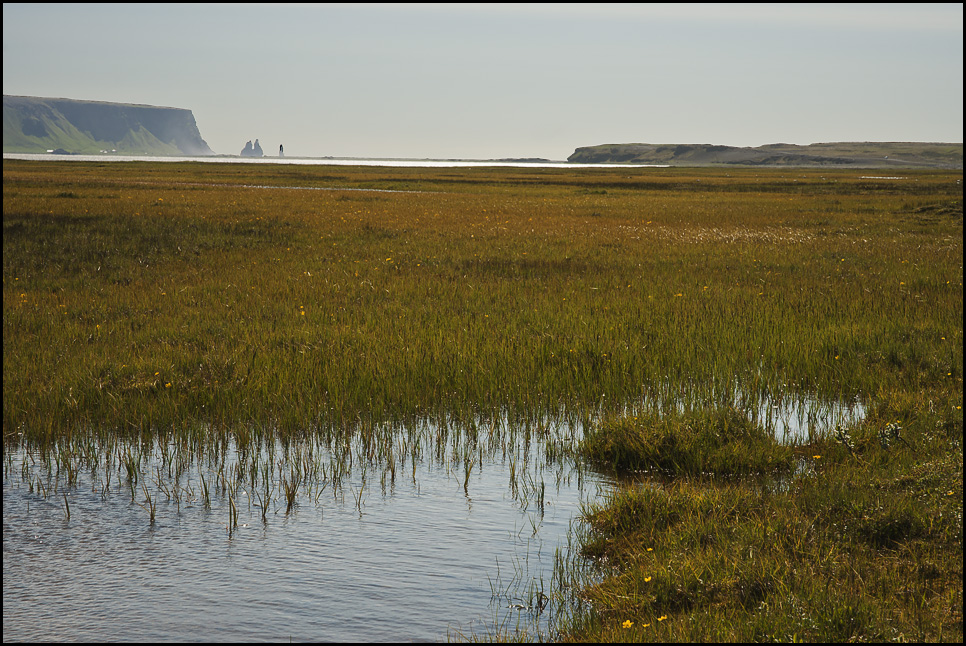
797,418
790,418
410,564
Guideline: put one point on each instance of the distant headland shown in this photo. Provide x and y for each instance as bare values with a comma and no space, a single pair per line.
848,154
39,125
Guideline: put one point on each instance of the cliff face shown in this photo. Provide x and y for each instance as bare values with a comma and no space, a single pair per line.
36,125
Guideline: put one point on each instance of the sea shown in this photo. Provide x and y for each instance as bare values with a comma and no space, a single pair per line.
328,161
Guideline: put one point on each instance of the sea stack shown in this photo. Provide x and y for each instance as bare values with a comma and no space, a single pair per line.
252,150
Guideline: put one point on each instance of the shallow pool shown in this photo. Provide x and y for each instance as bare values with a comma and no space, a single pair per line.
434,555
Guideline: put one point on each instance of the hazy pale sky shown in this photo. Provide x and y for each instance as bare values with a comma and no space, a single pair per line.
493,81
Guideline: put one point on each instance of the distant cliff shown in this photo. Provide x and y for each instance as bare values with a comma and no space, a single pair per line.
37,125
857,154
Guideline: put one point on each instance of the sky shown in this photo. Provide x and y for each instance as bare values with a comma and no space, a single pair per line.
497,81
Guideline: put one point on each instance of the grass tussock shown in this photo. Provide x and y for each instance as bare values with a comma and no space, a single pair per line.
719,442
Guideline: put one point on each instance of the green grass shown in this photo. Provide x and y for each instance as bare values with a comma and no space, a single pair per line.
721,442
658,308
862,544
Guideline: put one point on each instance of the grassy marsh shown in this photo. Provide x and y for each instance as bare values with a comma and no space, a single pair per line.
195,304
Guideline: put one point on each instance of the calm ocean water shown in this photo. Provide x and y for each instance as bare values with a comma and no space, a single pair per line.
328,161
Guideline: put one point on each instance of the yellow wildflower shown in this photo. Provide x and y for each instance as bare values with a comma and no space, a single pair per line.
628,623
